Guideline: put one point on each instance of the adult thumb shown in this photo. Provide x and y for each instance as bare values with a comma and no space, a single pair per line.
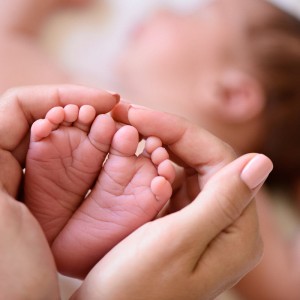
222,201
230,191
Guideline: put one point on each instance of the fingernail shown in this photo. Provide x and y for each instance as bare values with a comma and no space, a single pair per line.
116,95
139,107
257,171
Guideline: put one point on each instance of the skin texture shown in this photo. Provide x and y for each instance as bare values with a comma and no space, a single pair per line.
231,224
22,104
66,154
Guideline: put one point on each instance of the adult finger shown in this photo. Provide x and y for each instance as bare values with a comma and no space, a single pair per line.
195,146
223,201
20,107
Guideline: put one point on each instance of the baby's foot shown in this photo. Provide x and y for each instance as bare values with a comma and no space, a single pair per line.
65,156
129,192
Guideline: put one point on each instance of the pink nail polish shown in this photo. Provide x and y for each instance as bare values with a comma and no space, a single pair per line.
257,171
116,95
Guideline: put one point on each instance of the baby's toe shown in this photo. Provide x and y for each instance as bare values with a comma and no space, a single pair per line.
102,132
71,114
86,116
162,189
152,143
159,155
167,170
40,129
125,141
56,116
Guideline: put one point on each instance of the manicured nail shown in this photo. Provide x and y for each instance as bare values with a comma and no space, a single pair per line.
257,171
116,95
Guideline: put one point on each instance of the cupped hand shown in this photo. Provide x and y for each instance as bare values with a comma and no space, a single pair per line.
20,107
200,250
27,266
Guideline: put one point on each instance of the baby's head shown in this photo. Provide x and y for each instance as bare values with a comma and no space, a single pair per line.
233,67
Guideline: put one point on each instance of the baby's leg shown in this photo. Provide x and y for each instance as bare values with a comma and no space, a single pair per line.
129,192
65,156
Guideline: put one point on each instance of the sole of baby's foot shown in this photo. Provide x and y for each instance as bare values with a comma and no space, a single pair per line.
129,192
66,153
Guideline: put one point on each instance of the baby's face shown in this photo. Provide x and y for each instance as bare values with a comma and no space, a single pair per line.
170,59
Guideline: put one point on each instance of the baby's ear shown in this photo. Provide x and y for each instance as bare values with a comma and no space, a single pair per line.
242,96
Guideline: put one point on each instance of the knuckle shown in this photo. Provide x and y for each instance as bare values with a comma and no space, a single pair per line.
230,209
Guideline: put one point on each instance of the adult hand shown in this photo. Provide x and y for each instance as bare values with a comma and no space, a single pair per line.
19,108
27,267
201,250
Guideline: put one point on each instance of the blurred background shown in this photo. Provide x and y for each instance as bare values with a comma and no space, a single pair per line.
87,41
167,54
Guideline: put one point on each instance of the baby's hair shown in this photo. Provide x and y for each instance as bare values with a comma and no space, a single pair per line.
274,43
